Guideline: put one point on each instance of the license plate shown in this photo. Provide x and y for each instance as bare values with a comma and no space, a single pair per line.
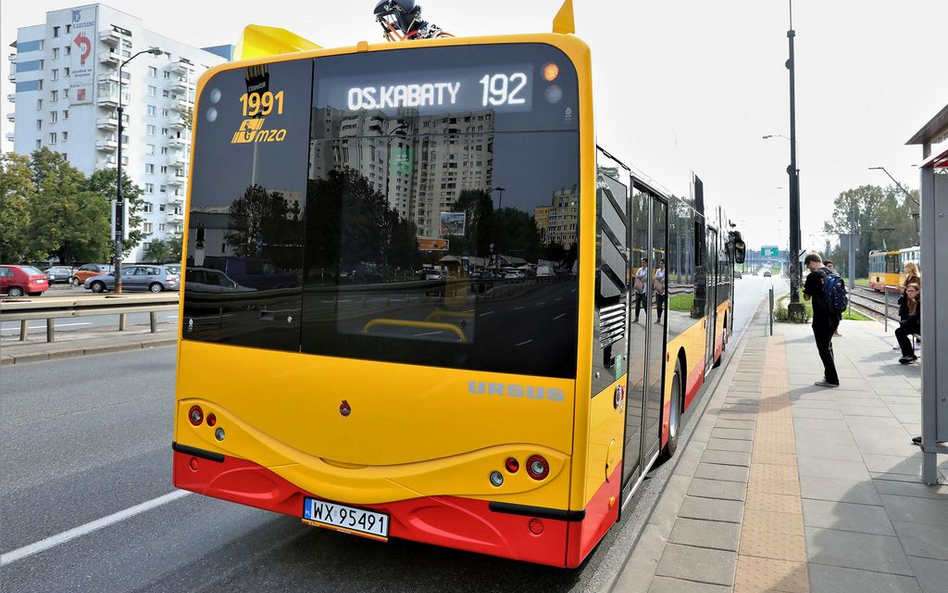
346,519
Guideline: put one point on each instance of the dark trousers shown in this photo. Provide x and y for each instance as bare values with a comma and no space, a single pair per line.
659,305
823,333
903,335
639,303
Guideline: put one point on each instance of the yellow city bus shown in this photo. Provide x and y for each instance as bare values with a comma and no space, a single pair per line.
408,303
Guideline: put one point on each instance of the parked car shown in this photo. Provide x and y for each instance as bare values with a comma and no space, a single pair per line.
737,274
88,271
210,280
60,274
17,281
152,278
432,275
253,272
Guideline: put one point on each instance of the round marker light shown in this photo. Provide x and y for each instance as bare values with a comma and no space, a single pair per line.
553,94
550,72
196,415
512,465
194,464
537,467
496,478
211,419
219,434
535,526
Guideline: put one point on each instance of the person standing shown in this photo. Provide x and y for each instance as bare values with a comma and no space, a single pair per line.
825,321
640,287
659,285
911,322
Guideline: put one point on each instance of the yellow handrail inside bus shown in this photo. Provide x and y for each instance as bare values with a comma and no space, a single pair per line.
564,22
257,41
439,314
418,324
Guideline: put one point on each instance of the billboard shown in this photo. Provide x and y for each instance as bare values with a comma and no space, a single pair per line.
452,223
84,39
432,244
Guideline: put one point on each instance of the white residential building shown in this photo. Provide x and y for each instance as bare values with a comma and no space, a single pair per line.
66,75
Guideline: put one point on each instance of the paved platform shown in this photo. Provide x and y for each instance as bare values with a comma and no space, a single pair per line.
790,487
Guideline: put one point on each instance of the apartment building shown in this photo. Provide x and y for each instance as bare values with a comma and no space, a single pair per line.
66,76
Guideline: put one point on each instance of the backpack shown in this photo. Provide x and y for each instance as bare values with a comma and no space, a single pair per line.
834,293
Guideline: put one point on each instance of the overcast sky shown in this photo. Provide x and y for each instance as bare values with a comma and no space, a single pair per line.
680,85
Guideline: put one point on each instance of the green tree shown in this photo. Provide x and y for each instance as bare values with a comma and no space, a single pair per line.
16,194
103,182
164,250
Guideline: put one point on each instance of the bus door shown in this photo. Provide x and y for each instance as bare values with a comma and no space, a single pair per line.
655,324
711,279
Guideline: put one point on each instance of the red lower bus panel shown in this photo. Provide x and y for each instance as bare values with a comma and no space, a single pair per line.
601,514
448,521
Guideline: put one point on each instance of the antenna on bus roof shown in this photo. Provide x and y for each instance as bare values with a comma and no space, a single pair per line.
563,22
401,20
257,41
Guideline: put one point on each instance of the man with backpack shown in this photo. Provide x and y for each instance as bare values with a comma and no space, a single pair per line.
827,292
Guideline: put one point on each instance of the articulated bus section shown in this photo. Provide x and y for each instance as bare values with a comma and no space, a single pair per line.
412,313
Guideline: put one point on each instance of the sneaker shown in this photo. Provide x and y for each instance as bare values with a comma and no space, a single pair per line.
917,441
896,347
908,359
826,384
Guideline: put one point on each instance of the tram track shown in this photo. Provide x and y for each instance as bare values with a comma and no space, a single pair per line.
869,301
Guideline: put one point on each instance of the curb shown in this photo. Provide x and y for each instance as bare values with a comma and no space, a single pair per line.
89,351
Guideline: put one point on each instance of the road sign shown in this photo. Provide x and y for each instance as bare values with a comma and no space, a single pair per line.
770,251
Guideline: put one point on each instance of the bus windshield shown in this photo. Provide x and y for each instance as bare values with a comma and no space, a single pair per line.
429,216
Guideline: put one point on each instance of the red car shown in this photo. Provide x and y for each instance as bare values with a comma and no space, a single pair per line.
16,281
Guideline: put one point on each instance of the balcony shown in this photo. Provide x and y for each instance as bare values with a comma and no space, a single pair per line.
108,101
113,77
107,122
12,77
10,136
181,105
177,143
106,145
180,67
177,124
11,97
175,217
110,58
180,86
11,117
179,162
110,37
105,162
176,181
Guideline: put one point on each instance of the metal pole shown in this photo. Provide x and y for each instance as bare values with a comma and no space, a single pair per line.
794,174
852,254
24,330
50,329
885,292
771,310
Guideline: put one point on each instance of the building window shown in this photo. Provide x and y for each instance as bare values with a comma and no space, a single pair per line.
150,130
54,74
165,93
149,187
39,124
52,137
55,53
65,114
152,91
161,207
66,72
68,50
152,110
54,96
39,104
149,168
65,136
164,151
164,168
66,93
146,227
125,139
68,28
167,76
147,208
53,117
39,144
152,72
149,149
164,131
161,227
164,113
55,31
163,189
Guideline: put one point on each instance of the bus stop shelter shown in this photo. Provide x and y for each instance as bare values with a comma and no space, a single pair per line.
933,210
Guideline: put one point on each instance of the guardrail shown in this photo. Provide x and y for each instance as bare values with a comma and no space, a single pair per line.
52,308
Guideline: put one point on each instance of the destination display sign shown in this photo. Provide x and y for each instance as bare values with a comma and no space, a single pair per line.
503,89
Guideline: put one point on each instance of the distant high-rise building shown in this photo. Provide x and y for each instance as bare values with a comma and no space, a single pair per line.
67,94
558,222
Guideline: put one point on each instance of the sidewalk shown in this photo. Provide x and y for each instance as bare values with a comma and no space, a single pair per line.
790,487
84,342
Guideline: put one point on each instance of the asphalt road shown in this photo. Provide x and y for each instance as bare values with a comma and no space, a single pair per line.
89,437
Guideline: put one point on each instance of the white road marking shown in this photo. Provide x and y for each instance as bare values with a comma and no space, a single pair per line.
486,314
560,316
61,538
519,308
58,325
524,343
427,334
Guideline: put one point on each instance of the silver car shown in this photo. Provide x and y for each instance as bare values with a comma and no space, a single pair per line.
144,277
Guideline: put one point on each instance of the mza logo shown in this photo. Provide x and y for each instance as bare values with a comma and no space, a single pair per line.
251,130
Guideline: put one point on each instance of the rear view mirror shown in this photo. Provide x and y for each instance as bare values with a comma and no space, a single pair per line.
740,249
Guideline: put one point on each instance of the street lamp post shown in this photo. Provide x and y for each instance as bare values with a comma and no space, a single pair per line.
500,205
795,307
119,202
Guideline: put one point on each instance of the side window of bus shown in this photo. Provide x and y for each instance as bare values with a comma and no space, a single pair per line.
612,278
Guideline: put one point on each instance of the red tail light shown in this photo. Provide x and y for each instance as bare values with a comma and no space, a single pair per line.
537,467
211,419
196,415
512,465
